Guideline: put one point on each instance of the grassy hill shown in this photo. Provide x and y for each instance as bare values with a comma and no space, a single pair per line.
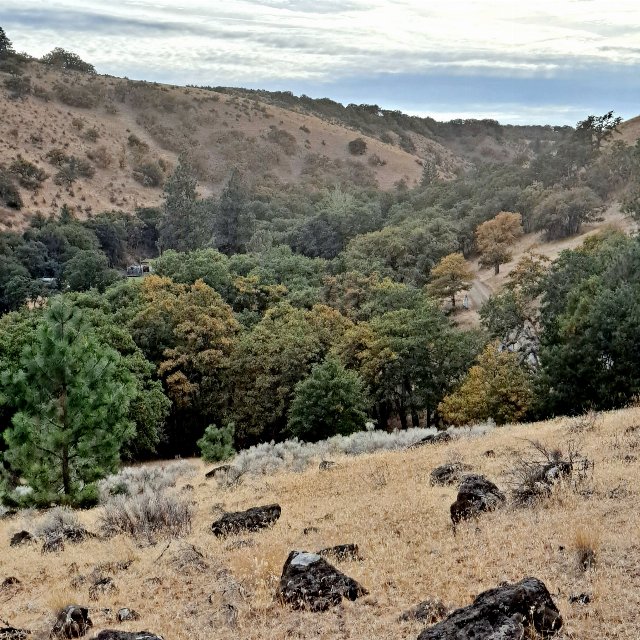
199,586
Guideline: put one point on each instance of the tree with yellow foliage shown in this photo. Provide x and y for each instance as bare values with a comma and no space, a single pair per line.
496,387
495,238
449,276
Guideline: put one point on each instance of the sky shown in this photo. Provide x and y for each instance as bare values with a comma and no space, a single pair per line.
540,61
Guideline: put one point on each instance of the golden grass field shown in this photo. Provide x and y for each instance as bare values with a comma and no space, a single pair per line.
385,504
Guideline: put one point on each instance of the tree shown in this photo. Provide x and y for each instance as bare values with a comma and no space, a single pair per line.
451,275
63,59
217,444
234,222
495,239
5,44
597,129
563,211
498,387
72,406
330,401
357,147
88,269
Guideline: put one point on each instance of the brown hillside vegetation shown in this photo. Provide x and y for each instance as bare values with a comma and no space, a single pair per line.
200,586
121,127
629,131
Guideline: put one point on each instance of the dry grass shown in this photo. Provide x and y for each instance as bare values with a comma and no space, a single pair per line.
204,587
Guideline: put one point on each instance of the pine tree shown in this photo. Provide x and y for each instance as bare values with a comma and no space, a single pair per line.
72,401
5,44
217,444
234,223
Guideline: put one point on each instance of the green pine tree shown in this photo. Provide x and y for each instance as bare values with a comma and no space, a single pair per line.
217,444
72,401
332,400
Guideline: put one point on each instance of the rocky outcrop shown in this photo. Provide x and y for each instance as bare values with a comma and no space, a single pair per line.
125,614
475,496
251,520
503,613
309,582
21,537
447,474
524,341
435,438
72,622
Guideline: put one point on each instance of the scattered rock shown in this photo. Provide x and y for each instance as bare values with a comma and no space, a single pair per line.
489,453
538,480
475,495
250,520
11,633
22,537
583,598
221,470
502,613
187,488
307,530
429,611
126,614
325,465
9,582
72,622
436,438
309,582
101,586
342,552
112,634
53,544
240,544
448,474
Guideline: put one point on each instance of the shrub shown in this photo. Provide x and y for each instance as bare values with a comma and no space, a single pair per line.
56,522
148,174
91,134
217,444
146,514
136,143
283,139
62,59
75,96
19,86
73,169
100,157
57,157
9,193
357,147
28,174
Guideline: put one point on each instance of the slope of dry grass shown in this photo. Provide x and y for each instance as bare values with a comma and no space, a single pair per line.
203,587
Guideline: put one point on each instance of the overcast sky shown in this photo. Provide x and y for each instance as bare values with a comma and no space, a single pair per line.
540,61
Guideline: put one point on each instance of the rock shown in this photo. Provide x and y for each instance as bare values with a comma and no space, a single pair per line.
583,598
126,614
9,582
53,544
101,586
221,470
22,537
475,495
309,582
307,530
502,613
112,634
240,544
436,438
325,465
447,474
11,633
540,480
250,520
72,622
428,611
490,453
342,552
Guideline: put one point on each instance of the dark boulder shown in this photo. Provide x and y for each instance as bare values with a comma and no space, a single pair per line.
539,480
341,552
309,582
22,537
475,495
502,613
447,474
126,614
325,465
250,520
112,634
72,622
11,633
436,438
218,471
428,611
9,582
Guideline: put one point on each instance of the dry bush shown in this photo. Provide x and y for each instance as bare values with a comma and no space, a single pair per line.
91,134
148,174
56,522
376,161
29,175
586,543
100,157
145,515
586,422
81,96
283,139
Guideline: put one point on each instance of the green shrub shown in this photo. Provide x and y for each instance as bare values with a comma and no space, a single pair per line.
148,174
9,193
28,174
217,444
62,59
357,147
75,96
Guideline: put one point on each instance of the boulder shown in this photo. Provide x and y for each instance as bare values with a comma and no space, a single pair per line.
72,622
112,634
342,552
126,614
250,520
11,633
435,438
325,465
428,611
503,613
22,537
309,582
9,582
53,544
218,471
101,586
447,474
475,495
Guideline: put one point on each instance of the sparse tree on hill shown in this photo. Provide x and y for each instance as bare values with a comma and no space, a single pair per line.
598,129
495,239
234,224
71,400
5,44
451,275
63,59
563,212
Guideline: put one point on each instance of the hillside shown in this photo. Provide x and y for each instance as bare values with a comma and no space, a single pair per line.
224,587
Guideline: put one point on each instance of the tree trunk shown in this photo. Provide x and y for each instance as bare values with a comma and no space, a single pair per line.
66,474
497,268
453,300
415,418
403,418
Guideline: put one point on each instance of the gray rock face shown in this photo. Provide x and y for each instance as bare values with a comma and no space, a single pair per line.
22,537
447,474
475,495
250,520
112,634
72,622
503,613
309,582
524,341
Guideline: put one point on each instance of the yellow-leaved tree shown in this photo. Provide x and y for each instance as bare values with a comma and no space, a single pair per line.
451,275
495,238
496,387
